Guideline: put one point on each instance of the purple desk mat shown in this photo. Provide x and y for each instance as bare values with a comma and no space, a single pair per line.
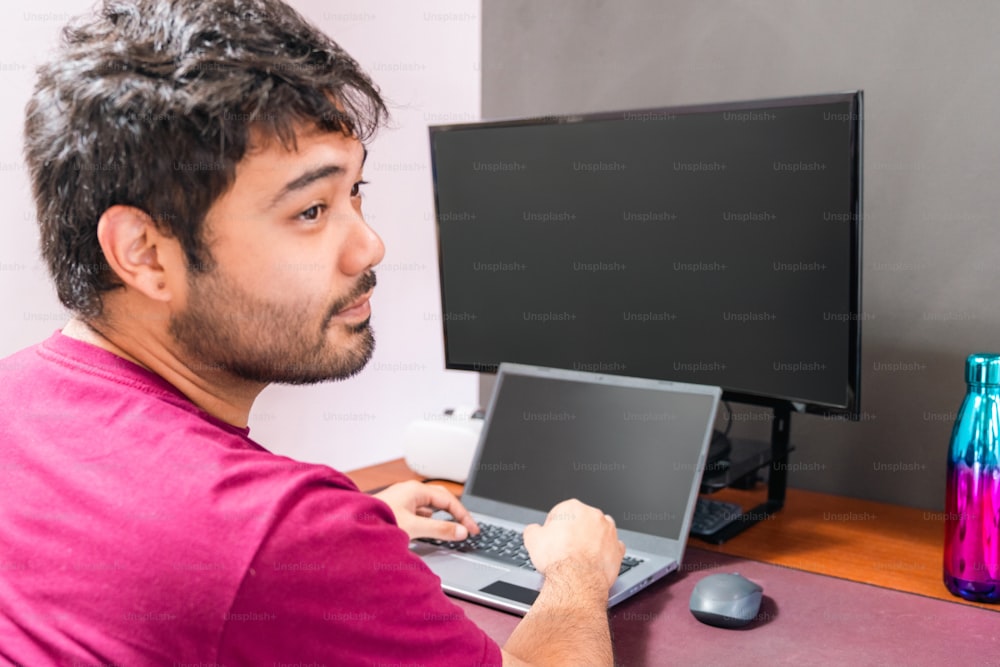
805,619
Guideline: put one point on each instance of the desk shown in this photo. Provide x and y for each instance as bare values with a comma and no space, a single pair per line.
903,616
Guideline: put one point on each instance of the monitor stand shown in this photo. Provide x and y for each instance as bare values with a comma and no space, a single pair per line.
719,448
777,480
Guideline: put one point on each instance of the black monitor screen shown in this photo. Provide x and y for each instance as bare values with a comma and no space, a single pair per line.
715,245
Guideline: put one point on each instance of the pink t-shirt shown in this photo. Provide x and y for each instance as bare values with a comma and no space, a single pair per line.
136,529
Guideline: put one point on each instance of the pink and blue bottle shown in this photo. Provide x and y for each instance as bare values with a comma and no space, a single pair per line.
972,505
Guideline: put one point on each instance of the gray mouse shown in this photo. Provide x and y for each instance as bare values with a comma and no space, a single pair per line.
726,600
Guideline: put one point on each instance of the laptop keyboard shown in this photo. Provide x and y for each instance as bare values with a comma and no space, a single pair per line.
507,546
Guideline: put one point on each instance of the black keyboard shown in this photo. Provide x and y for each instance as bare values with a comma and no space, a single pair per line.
507,546
710,516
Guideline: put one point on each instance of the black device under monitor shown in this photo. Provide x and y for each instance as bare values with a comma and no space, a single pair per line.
715,244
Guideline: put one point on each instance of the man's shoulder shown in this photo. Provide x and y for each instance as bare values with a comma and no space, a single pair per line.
19,361
146,457
60,373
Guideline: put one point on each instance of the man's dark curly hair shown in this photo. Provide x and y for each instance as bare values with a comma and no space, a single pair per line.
151,104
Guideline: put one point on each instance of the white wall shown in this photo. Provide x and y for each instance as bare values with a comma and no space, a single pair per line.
425,58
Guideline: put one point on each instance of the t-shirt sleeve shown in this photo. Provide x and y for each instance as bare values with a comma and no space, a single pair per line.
334,583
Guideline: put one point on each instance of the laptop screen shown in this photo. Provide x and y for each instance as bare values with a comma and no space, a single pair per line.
630,447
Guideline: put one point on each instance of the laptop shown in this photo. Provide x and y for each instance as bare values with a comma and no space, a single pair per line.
633,447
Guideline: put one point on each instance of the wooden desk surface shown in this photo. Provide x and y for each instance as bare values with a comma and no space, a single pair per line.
873,543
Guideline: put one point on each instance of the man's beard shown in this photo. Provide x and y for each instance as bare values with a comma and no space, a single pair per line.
225,328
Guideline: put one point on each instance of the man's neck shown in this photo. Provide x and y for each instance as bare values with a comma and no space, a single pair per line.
215,392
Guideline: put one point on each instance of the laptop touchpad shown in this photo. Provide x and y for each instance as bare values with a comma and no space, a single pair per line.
511,592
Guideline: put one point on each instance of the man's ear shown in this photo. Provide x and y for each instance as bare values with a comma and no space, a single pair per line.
140,254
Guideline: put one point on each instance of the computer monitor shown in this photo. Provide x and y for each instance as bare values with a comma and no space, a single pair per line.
716,244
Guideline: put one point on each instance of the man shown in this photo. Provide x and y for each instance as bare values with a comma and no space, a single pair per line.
183,154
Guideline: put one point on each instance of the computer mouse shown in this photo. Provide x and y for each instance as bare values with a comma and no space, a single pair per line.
726,600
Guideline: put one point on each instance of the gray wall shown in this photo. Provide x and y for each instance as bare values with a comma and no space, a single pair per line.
932,190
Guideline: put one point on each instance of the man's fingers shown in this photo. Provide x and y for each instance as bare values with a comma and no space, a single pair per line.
443,499
436,529
529,534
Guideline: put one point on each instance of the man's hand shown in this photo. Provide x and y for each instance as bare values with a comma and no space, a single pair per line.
579,553
413,503
578,532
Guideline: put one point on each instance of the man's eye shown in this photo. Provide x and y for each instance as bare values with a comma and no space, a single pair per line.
312,213
356,190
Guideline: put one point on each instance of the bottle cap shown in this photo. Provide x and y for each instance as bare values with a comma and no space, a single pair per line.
982,368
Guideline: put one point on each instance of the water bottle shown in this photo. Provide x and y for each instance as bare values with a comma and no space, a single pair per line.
972,505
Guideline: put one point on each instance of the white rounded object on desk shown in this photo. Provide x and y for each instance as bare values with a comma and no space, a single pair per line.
442,448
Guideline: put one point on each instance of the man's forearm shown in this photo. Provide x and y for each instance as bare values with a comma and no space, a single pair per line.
568,623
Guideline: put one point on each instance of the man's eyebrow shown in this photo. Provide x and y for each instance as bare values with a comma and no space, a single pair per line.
305,180
312,176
